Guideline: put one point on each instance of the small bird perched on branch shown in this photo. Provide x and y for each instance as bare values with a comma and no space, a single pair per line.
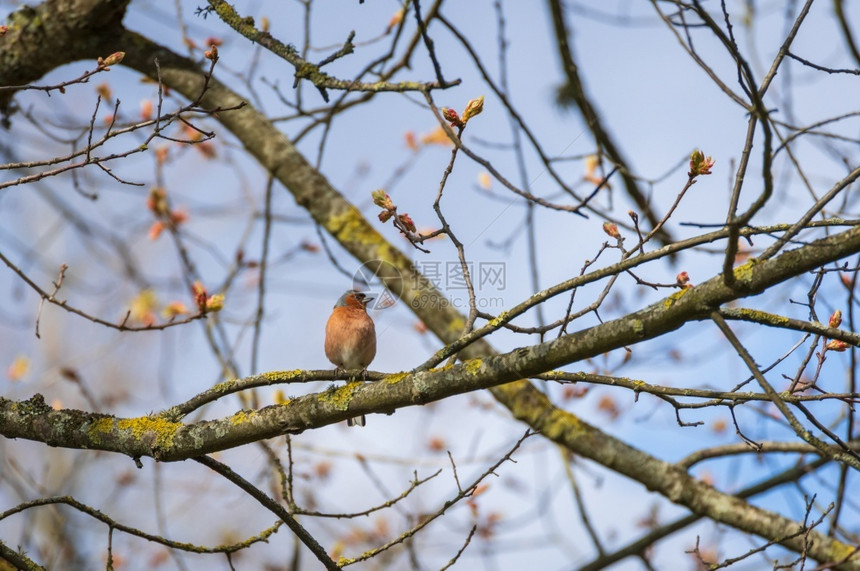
350,337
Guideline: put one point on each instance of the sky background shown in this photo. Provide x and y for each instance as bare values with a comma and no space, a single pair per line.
657,103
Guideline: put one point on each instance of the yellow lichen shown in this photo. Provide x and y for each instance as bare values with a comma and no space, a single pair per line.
350,226
273,377
472,366
395,378
842,551
562,423
384,251
744,271
670,301
764,317
242,417
225,386
157,430
164,430
101,427
340,397
456,325
498,320
444,367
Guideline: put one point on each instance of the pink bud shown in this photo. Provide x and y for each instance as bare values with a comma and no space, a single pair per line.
836,345
474,107
215,302
200,295
611,229
381,199
700,165
407,222
112,59
452,117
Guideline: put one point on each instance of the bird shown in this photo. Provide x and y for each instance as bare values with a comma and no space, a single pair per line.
350,337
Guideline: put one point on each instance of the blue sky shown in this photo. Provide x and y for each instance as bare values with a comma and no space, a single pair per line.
656,102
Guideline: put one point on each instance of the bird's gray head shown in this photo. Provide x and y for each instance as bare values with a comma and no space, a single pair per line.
354,298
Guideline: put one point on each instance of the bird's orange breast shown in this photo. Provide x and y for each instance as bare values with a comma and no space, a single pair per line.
350,338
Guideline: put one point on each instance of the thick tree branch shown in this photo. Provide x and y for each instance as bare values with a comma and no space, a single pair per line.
328,207
55,33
